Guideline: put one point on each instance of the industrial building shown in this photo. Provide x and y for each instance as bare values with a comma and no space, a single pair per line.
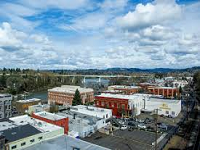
64,95
53,119
137,103
23,131
83,123
23,105
5,105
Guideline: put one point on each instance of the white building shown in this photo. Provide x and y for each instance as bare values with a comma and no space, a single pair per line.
92,111
38,108
23,131
5,105
180,83
84,121
149,103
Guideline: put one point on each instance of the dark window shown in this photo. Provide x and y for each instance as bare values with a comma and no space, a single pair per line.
40,138
32,140
75,148
24,143
13,147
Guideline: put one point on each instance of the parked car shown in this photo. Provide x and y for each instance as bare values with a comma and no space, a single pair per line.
123,127
131,123
162,126
148,121
140,120
142,126
151,129
131,128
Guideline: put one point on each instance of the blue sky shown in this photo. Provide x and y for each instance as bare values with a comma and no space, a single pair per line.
82,34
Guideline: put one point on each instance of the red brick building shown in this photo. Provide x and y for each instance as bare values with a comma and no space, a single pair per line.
53,119
123,89
167,92
118,105
64,95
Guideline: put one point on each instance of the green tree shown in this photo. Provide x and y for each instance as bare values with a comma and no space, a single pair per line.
77,98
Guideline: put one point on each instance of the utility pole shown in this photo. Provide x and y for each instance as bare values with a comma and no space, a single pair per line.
156,124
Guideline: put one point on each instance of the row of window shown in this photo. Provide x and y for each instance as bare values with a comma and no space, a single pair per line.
112,104
24,143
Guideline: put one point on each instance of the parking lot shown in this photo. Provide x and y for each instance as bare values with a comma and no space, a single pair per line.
123,140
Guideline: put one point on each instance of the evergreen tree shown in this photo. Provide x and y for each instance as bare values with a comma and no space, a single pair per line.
77,98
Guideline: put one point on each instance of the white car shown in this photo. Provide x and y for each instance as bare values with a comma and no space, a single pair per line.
142,126
123,127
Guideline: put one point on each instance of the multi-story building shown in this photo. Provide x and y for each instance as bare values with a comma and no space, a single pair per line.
22,105
5,105
53,119
123,89
137,103
24,131
64,95
167,92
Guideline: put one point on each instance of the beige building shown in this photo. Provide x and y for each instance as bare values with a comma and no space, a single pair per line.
23,131
64,95
23,105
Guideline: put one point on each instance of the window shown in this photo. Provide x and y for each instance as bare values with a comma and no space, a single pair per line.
75,148
24,143
32,140
173,113
123,106
97,102
102,103
106,115
112,105
167,112
13,147
40,138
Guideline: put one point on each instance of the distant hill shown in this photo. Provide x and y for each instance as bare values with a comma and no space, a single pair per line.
126,70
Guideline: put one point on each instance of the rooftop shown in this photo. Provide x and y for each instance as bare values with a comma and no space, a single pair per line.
29,100
70,89
64,143
19,132
124,87
49,116
163,87
153,98
5,95
38,124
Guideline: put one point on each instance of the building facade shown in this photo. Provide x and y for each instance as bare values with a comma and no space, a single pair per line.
5,105
23,131
64,95
23,105
133,105
123,89
53,119
118,105
167,92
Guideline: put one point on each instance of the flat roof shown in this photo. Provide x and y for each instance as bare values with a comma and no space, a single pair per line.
5,95
70,89
153,98
38,124
124,86
19,132
64,143
29,100
162,87
49,116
